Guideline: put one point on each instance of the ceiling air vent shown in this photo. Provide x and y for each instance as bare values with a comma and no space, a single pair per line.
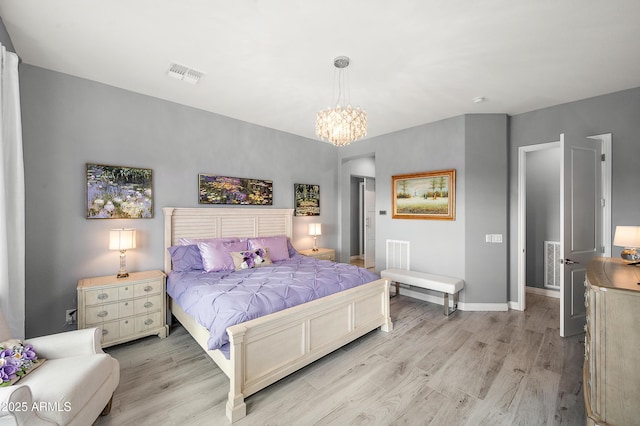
184,73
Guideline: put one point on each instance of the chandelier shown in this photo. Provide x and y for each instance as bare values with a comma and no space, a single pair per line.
341,125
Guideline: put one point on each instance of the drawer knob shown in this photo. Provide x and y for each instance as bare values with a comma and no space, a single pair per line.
148,288
148,321
148,305
126,289
104,332
103,314
103,296
126,303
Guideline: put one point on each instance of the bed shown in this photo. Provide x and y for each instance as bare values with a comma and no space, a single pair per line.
263,350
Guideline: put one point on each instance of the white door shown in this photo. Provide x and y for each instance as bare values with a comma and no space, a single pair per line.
369,222
580,225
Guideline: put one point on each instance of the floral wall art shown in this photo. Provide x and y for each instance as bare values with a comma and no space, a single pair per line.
214,189
116,192
307,199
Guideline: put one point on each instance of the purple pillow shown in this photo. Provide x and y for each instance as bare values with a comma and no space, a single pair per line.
277,246
185,258
292,250
216,255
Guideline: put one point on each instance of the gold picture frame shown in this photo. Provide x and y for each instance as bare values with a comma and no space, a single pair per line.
427,195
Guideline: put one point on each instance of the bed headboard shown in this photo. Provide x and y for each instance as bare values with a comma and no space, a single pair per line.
208,222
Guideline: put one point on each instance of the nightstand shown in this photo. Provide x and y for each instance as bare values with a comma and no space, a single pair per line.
124,308
321,253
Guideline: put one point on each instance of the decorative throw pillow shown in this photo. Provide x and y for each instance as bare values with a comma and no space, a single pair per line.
250,259
216,255
16,361
277,245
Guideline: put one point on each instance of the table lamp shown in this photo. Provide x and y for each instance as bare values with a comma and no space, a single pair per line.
122,240
315,229
629,238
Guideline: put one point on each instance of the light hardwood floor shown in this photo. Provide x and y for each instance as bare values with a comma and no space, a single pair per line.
472,368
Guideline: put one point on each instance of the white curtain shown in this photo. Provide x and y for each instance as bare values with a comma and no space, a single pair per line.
12,197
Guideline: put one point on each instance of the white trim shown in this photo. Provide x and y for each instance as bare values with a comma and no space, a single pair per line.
521,304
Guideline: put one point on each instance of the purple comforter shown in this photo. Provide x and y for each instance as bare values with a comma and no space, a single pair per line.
218,300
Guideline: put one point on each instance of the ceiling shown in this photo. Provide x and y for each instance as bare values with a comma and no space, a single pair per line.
271,62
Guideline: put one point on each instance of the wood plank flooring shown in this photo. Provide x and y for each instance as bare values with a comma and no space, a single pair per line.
472,368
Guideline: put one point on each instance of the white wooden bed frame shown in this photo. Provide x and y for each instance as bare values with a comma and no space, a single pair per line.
266,349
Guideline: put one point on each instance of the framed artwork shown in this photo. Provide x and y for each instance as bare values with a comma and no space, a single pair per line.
429,195
214,189
116,192
307,199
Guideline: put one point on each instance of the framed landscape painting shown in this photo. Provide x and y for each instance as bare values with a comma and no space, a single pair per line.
116,192
307,199
214,189
428,195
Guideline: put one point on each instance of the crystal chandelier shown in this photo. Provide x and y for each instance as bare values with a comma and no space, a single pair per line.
341,125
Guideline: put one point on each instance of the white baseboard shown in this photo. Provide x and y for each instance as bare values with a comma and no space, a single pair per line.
515,306
543,292
477,307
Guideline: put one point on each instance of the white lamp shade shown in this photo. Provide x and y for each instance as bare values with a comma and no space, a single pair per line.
122,239
315,229
627,236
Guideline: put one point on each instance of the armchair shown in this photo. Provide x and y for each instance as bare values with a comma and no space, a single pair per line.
73,387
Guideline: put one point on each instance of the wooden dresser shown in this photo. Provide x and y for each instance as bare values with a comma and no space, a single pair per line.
612,343
124,308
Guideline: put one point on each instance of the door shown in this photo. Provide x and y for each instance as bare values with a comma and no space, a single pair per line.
580,225
369,222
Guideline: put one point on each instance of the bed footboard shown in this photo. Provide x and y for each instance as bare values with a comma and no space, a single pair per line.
267,349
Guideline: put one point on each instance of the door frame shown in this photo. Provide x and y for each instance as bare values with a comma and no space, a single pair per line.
522,217
606,141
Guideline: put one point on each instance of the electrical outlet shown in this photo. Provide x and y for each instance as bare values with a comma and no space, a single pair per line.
71,316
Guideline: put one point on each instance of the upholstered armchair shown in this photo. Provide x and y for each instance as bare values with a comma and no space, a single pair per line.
72,387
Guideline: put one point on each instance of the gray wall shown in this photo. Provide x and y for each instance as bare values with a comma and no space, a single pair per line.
486,207
474,145
68,121
543,209
433,146
615,113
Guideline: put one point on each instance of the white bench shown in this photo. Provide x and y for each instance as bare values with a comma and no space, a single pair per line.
446,285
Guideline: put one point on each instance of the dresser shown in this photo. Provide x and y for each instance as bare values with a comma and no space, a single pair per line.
612,343
321,253
124,308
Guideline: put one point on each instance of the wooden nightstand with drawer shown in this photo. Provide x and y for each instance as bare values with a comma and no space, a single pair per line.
321,253
124,308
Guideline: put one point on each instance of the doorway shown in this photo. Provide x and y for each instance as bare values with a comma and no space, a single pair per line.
542,269
363,222
527,196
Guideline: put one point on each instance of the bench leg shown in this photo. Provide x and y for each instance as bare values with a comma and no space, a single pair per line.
448,311
397,289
